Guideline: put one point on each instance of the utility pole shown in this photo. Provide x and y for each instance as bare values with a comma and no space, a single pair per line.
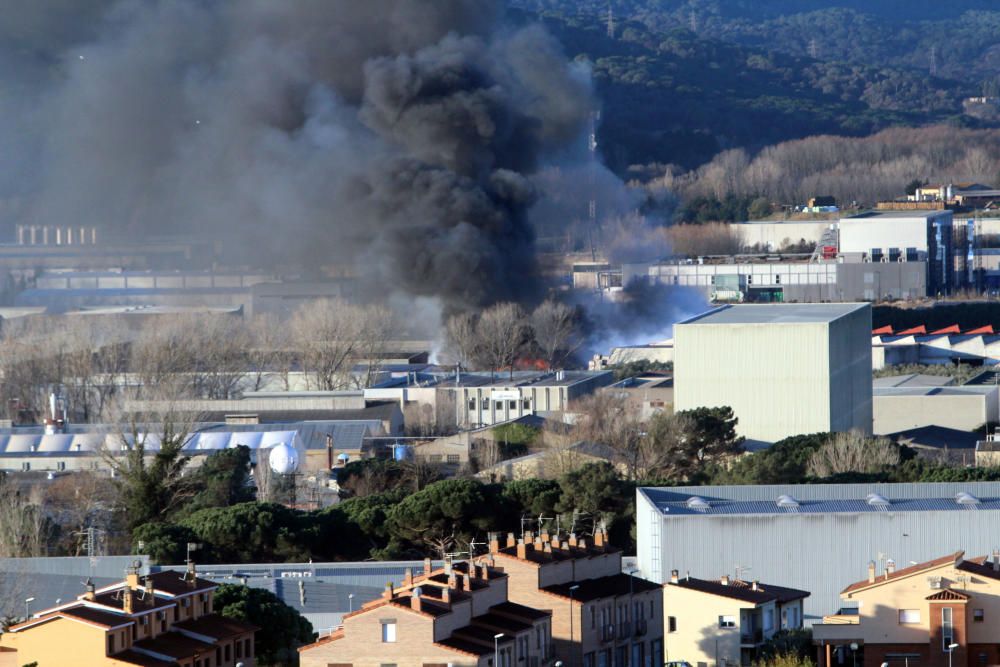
593,227
611,21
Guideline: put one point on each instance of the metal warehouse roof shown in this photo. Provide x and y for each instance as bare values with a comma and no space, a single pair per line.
824,499
777,313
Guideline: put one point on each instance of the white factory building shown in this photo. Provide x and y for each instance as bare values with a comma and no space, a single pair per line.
784,369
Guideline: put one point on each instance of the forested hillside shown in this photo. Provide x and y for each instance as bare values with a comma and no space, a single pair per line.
744,79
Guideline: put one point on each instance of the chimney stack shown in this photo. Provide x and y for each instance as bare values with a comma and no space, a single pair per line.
724,580
996,560
494,542
674,576
547,548
90,593
132,576
127,600
389,592
890,567
871,572
754,586
446,595
415,603
572,539
522,549
427,567
329,451
150,592
192,574
408,577
510,540
467,582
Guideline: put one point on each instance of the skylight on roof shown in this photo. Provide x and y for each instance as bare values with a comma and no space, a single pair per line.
698,503
787,501
877,500
966,498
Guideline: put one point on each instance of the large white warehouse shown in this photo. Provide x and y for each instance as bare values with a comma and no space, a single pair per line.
784,369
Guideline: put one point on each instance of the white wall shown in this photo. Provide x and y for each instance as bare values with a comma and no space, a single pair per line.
863,234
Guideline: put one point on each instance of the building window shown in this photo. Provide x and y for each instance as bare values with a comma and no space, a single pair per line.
512,405
486,404
454,458
472,403
111,644
247,648
588,660
225,652
498,405
947,632
908,616
727,621
977,615
388,632
593,618
671,624
768,619
526,404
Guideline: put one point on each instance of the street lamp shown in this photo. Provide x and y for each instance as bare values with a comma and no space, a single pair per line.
854,653
496,649
27,607
572,589
951,649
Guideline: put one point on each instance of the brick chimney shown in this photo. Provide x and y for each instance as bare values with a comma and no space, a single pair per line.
522,549
545,536
582,543
446,595
871,572
572,539
547,548
408,577
599,538
510,540
389,592
467,582
127,600
415,602
427,566
132,577
494,542
90,593
996,560
724,580
192,574
150,592
674,576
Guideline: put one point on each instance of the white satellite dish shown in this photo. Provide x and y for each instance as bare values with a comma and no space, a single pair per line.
283,459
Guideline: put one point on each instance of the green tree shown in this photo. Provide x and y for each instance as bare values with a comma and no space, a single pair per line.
222,480
443,515
784,462
533,497
714,433
250,532
911,187
593,491
788,643
282,628
164,542
759,208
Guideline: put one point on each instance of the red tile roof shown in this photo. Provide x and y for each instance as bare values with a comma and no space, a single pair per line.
175,645
177,583
738,589
905,572
216,626
602,587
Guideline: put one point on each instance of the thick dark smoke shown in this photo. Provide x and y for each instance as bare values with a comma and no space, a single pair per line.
399,136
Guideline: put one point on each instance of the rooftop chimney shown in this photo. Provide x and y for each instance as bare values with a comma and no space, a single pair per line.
522,549
996,560
127,600
724,580
572,539
467,582
547,548
890,567
329,451
674,576
90,593
389,592
510,540
192,574
754,586
415,603
408,577
871,572
132,576
494,542
427,566
599,538
150,592
446,595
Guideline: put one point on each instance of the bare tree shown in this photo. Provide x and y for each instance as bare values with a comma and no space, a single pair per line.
502,333
611,420
555,326
853,452
78,501
462,339
22,522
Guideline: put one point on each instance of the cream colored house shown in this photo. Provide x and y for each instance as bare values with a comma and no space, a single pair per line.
942,612
725,621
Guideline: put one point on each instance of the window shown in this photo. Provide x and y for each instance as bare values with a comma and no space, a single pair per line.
589,660
239,649
247,648
388,632
777,278
977,615
111,644
908,616
486,404
498,405
671,624
526,403
512,405
472,403
225,652
454,458
593,618
947,632
727,621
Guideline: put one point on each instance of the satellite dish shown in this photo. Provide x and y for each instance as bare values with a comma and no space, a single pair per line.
283,459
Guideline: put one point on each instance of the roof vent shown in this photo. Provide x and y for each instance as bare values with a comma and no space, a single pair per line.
698,503
787,501
965,498
876,500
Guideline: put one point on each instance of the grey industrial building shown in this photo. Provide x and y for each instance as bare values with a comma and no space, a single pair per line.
815,537
784,369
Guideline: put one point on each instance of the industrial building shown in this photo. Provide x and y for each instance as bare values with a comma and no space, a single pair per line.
962,408
814,537
784,369
948,345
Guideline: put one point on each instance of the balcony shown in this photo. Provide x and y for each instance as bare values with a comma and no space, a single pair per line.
608,633
838,627
751,637
641,627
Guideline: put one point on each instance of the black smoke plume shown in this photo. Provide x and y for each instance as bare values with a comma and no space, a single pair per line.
397,136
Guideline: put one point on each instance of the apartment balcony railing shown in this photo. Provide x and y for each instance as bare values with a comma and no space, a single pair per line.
751,636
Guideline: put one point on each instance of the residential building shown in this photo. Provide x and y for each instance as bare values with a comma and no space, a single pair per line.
725,621
458,615
600,615
784,369
939,613
159,619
